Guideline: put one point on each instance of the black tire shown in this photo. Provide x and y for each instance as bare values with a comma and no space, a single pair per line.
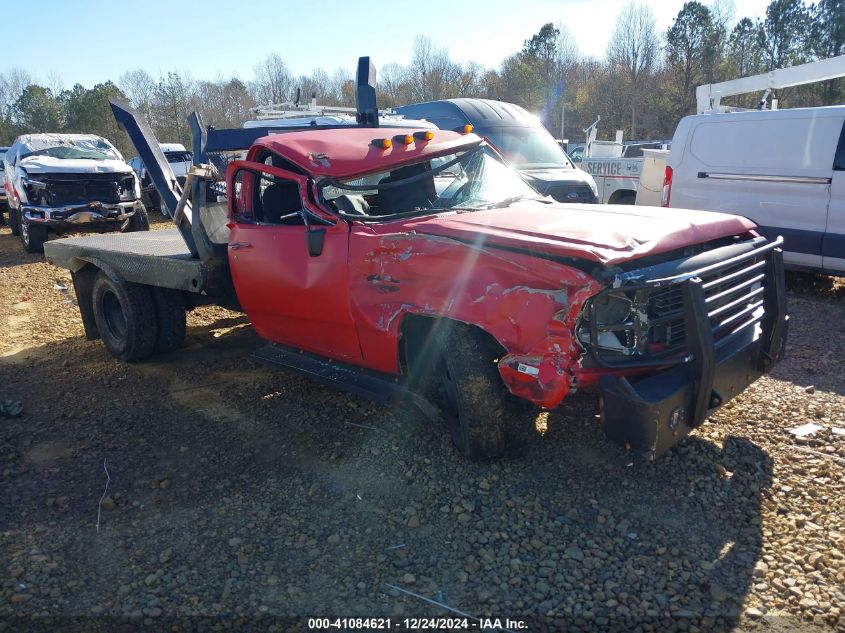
32,237
126,317
474,400
14,222
170,319
139,221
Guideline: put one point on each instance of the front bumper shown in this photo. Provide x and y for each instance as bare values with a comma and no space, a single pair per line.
650,414
84,217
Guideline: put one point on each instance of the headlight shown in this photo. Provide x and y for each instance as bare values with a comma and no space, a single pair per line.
126,189
34,185
34,190
609,310
612,309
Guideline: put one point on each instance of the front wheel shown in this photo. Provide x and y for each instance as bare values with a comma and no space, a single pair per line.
475,402
32,237
14,222
139,221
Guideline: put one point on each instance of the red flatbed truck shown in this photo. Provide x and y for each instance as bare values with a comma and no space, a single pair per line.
383,260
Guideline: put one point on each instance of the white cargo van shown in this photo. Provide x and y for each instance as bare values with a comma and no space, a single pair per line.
783,169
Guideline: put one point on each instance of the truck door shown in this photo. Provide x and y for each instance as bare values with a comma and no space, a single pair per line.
833,245
289,263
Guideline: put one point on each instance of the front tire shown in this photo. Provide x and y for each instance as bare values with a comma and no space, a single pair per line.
474,400
126,317
139,221
32,237
14,222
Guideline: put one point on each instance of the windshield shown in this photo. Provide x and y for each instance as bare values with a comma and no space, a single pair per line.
85,149
179,157
527,147
475,179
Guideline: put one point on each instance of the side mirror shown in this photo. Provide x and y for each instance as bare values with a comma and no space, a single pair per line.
315,238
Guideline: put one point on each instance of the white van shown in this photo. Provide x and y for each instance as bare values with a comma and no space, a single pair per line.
783,169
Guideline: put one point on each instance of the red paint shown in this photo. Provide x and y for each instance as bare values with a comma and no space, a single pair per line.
609,234
350,301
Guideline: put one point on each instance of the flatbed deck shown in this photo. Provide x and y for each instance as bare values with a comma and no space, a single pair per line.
156,258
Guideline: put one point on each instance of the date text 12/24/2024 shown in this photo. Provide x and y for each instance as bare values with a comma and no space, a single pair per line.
417,624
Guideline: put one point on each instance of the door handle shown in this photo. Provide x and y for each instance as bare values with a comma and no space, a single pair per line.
236,246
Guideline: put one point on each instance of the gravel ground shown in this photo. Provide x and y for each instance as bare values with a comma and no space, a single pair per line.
239,493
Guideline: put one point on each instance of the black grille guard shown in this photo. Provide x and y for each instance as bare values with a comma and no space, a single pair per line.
653,411
774,301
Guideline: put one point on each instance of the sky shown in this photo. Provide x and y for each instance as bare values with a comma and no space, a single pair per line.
89,41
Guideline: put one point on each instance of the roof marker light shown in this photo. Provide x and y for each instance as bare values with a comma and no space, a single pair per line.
404,139
383,143
464,129
424,136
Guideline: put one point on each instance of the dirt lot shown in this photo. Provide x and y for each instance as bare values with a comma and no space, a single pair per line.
238,493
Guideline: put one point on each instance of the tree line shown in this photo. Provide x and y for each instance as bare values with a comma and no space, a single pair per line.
643,85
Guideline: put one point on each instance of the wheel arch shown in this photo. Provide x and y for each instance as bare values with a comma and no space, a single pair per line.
417,330
622,196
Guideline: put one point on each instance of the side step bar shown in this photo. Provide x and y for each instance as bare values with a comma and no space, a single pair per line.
363,382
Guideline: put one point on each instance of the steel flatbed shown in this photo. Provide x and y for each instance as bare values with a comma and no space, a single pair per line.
155,258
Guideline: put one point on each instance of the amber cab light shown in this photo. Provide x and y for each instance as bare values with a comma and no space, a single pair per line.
466,129
404,139
424,136
383,143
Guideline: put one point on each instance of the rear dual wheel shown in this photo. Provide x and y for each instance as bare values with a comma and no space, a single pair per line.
135,320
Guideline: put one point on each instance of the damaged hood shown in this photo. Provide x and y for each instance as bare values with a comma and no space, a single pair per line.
607,234
52,165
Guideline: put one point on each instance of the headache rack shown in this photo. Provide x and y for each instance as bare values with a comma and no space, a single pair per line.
681,318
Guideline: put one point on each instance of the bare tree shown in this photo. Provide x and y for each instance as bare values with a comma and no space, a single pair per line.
431,75
392,85
273,81
633,53
568,53
337,87
172,100
12,84
139,87
55,82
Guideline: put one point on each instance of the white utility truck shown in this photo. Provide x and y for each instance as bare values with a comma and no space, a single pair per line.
614,165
